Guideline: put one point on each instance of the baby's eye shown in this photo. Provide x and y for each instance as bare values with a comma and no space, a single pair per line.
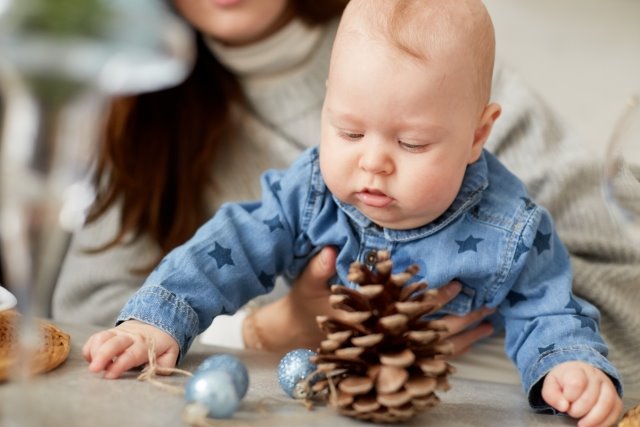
413,148
353,136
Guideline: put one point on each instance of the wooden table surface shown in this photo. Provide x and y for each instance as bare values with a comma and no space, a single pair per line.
71,396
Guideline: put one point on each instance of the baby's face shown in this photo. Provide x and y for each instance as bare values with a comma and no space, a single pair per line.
397,133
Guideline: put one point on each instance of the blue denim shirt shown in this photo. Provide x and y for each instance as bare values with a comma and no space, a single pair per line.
499,244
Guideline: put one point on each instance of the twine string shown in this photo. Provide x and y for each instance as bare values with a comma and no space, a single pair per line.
306,394
152,370
195,414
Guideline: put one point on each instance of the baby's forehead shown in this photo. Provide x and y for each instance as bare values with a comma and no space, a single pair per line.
421,28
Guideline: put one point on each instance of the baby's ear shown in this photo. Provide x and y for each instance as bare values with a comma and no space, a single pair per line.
488,117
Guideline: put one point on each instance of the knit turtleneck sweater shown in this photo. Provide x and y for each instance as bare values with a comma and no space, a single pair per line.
283,79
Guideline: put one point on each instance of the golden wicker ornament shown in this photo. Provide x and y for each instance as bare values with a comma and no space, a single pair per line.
382,360
631,418
53,350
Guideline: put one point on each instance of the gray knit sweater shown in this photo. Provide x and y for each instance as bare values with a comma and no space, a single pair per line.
286,101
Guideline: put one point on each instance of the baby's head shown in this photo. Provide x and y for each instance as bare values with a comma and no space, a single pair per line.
457,33
407,106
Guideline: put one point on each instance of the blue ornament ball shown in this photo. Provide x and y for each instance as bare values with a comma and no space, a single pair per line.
230,364
294,367
215,390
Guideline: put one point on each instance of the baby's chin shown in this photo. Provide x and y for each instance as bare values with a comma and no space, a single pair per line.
391,218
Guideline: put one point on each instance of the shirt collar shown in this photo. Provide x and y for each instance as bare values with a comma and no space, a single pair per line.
476,180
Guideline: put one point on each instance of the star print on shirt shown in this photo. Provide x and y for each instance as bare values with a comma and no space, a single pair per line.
528,204
468,244
586,322
275,186
222,255
541,242
520,249
515,297
573,305
274,223
266,279
545,349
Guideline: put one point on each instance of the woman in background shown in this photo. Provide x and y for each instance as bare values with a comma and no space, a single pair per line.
252,102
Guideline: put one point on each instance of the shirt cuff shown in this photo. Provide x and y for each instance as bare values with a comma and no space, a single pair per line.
163,309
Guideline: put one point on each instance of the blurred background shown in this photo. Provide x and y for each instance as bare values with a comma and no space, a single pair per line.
582,56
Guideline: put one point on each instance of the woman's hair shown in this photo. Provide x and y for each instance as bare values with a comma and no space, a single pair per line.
159,147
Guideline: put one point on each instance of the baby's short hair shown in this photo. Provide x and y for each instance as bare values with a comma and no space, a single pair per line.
420,28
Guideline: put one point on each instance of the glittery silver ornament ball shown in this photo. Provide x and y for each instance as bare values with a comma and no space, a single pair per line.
230,364
294,367
213,390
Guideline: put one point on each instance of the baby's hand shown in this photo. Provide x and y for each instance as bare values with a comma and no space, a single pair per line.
126,346
582,391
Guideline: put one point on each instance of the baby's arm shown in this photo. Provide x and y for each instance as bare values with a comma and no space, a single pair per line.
582,391
126,346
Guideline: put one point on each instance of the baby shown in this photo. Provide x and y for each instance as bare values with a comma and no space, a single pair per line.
400,167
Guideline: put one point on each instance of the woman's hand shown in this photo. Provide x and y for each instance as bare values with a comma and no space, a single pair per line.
290,322
458,332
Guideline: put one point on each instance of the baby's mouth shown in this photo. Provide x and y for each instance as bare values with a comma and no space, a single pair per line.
373,198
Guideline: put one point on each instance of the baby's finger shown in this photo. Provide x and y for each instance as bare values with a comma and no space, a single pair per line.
615,413
103,354
86,349
574,384
606,410
589,390
131,353
98,339
552,394
166,360
94,343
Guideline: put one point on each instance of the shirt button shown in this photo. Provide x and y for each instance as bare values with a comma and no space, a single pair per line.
371,257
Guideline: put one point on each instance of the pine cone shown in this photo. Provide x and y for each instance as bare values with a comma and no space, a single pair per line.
382,360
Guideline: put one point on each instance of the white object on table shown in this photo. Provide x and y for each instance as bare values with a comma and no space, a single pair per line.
7,300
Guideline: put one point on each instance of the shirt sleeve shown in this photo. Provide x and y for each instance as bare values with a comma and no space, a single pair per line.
546,324
562,175
232,258
93,286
